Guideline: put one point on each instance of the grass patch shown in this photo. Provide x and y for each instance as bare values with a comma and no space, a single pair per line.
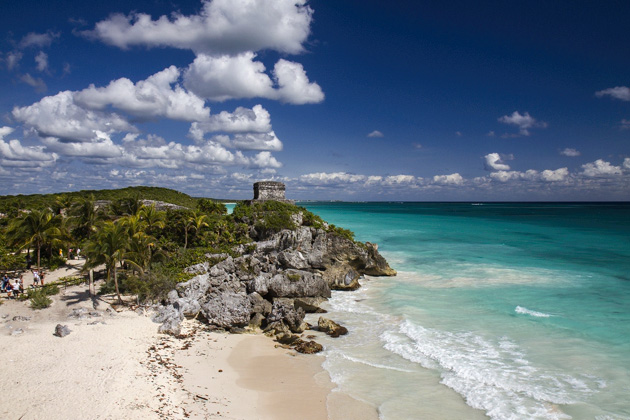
39,298
294,277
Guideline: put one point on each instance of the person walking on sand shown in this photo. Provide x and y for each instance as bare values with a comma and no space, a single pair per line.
5,280
35,278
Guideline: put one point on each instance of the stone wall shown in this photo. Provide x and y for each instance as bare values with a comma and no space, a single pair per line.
269,190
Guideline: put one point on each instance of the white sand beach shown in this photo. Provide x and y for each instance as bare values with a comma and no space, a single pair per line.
114,364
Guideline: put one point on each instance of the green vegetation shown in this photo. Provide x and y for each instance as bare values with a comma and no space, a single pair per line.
40,297
12,203
294,277
143,249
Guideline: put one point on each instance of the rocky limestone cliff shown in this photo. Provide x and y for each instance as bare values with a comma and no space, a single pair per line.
272,285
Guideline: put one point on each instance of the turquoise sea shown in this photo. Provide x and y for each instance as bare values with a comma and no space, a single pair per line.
499,310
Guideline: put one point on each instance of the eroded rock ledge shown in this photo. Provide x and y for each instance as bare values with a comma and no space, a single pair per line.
272,285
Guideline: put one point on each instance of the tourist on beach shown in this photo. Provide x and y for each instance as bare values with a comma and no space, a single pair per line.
5,280
20,283
35,277
9,290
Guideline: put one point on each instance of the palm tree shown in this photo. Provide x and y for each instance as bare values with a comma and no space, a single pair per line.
84,216
194,221
109,247
125,206
133,223
36,228
141,252
61,203
153,218
140,241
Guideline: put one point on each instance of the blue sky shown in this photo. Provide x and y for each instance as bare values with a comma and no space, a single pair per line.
344,100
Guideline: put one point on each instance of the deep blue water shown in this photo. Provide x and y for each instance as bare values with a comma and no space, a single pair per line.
518,310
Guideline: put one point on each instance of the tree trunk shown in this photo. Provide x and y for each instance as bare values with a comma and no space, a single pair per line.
185,238
91,286
116,285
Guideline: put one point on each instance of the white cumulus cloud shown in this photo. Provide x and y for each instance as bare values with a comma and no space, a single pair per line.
618,92
59,116
523,121
452,179
293,84
219,78
222,26
399,179
570,152
334,178
99,148
257,141
265,160
560,174
493,162
242,120
600,168
13,153
153,97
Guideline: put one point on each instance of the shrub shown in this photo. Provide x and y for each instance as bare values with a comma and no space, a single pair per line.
69,281
9,261
344,233
50,289
39,299
53,262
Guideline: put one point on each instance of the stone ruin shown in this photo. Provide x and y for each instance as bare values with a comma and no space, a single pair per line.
270,190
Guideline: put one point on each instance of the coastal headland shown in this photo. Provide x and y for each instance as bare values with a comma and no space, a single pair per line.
228,341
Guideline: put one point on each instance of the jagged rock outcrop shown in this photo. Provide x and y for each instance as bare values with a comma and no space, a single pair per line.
273,283
339,260
308,347
331,327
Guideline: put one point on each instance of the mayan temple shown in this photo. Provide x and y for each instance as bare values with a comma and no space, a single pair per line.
270,190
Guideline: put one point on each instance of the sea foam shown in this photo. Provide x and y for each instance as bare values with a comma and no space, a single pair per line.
525,311
493,375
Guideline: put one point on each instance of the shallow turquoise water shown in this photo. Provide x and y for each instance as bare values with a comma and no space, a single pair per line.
519,311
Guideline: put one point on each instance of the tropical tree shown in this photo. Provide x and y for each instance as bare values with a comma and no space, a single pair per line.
84,216
126,205
36,228
143,251
133,223
61,203
194,222
109,246
211,207
153,218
